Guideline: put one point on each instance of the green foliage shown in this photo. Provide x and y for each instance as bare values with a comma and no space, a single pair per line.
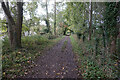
33,21
90,65
3,26
52,36
31,7
75,17
76,47
31,40
110,16
24,28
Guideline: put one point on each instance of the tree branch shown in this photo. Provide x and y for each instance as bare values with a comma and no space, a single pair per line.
7,12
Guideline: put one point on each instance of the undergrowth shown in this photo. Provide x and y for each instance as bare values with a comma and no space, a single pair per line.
90,64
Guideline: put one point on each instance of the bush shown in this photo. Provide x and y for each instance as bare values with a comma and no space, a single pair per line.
52,36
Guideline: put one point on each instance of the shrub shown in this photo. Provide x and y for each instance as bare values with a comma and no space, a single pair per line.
52,37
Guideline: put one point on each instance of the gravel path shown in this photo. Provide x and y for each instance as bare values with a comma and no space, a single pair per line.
58,62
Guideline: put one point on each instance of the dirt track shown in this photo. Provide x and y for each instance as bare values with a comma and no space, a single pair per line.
58,62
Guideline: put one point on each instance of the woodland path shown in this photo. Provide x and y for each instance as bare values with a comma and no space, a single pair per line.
57,62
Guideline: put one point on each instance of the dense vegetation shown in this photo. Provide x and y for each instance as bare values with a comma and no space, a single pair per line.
93,27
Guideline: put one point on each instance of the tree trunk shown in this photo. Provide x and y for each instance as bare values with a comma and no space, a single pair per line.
12,28
118,53
90,21
55,18
47,20
113,45
19,22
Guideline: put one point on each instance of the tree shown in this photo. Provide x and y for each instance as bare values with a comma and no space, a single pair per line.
55,17
19,22
14,27
110,23
74,16
47,18
90,21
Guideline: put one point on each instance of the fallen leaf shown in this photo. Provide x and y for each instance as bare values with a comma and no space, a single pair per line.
58,73
28,61
63,68
3,73
26,73
115,64
19,52
46,73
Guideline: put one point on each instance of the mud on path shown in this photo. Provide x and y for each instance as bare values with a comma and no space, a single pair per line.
58,62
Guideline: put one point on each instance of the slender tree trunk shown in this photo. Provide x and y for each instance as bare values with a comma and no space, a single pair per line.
11,27
90,21
19,22
113,47
10,30
118,53
47,20
55,18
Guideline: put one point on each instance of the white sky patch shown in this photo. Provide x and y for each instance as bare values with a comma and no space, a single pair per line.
40,10
1,13
1,16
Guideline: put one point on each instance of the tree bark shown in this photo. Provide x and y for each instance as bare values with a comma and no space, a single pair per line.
10,30
19,22
7,12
